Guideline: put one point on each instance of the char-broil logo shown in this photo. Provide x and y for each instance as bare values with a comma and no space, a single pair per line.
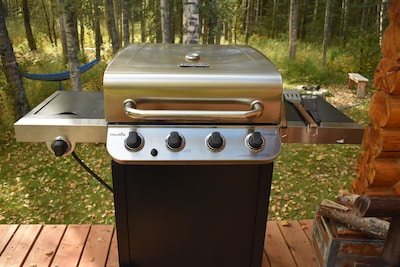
117,134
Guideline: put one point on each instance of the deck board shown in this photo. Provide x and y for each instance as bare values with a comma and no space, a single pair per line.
286,245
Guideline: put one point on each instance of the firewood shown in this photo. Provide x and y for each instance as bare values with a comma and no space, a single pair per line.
373,227
377,206
385,109
346,198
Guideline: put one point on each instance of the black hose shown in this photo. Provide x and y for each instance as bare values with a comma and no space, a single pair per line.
91,172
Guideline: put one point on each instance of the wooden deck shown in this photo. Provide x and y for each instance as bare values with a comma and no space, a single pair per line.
286,245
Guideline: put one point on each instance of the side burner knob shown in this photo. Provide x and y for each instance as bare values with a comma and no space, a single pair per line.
215,141
134,141
61,146
255,141
175,141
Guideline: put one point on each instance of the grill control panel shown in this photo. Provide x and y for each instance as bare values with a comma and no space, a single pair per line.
204,144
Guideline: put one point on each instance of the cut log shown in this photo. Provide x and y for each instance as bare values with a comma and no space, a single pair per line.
394,12
387,75
378,140
383,172
373,227
346,198
391,42
357,187
385,109
377,206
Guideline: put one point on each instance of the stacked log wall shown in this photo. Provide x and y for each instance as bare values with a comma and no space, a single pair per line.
378,165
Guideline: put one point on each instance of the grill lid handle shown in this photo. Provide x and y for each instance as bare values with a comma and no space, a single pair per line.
256,110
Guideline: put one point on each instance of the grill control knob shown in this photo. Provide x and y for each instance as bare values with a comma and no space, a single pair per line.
134,141
215,141
59,147
255,141
175,141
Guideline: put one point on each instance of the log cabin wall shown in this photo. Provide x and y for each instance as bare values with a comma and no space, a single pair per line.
378,166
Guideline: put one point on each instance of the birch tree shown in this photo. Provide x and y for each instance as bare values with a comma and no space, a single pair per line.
293,28
190,22
10,68
71,34
327,31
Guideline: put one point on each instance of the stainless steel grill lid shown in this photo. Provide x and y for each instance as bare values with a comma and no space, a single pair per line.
170,82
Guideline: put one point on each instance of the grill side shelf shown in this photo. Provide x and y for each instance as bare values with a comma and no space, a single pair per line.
77,116
335,127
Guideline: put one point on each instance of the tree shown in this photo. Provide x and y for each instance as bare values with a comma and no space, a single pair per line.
327,31
10,67
165,22
191,22
71,34
111,25
28,28
126,14
293,29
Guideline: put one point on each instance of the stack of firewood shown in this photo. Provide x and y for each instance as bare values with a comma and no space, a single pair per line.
378,166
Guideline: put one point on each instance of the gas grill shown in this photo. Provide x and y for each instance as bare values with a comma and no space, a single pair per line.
192,131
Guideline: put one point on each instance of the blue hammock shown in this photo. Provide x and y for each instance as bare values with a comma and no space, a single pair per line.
59,76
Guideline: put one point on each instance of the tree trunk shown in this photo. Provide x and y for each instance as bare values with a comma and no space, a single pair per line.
126,14
327,31
143,22
10,68
62,34
249,20
191,22
111,25
275,19
212,22
345,12
293,28
96,26
46,16
71,35
28,28
165,22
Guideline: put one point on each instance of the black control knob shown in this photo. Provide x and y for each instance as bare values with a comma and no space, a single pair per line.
215,141
59,147
255,141
174,141
134,141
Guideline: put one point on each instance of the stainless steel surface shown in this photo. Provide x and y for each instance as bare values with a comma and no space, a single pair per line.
77,116
255,110
195,149
165,72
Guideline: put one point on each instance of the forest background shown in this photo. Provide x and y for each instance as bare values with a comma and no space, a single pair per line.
310,41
